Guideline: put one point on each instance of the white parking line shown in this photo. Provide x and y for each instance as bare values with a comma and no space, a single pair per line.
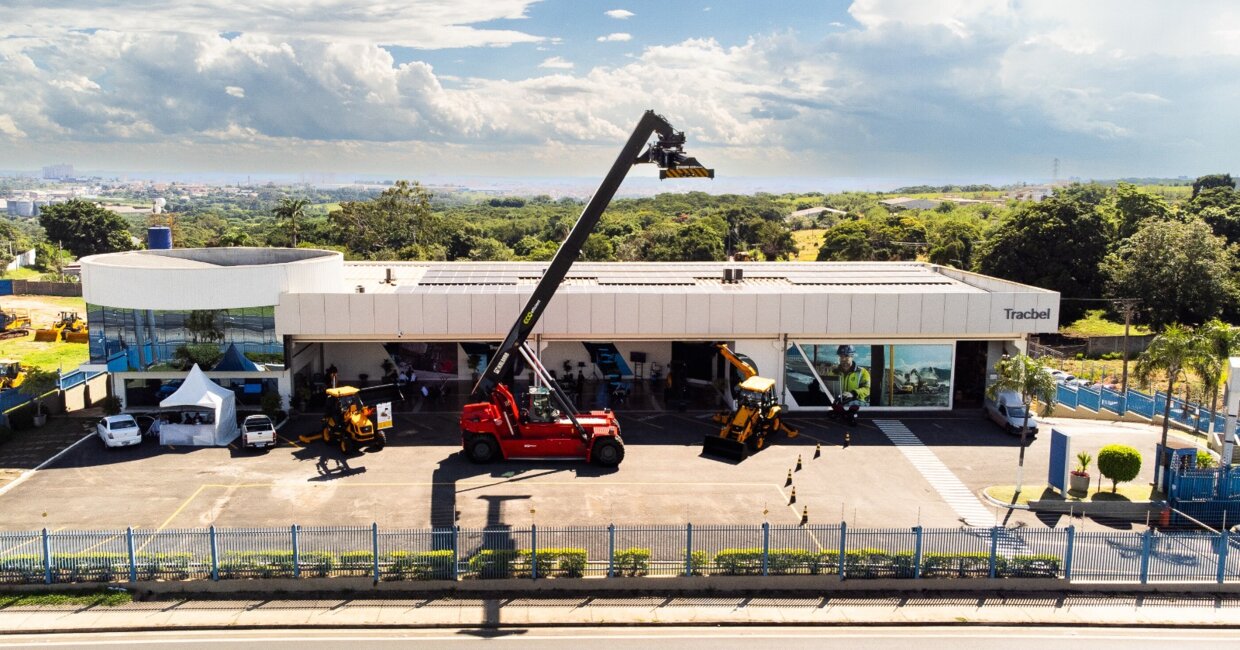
949,487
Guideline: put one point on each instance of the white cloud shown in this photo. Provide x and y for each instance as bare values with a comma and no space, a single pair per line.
234,91
556,63
615,37
619,14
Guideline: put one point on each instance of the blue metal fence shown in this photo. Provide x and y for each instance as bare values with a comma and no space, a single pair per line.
533,552
1089,399
1111,401
1189,414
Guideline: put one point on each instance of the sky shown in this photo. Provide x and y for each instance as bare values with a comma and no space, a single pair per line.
824,91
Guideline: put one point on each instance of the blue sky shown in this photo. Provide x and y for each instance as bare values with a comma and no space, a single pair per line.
944,91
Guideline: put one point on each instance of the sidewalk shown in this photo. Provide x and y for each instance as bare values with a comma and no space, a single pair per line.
1076,610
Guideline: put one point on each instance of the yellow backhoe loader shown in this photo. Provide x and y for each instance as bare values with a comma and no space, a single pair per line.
12,374
354,418
757,415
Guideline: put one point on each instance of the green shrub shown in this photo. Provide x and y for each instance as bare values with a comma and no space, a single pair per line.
21,569
1205,460
256,564
631,562
168,566
1120,463
111,405
958,565
356,563
90,567
1030,566
698,561
490,563
425,565
867,563
317,564
739,561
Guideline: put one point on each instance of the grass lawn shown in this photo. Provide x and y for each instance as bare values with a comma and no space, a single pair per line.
808,242
22,274
1095,324
48,356
107,598
1039,492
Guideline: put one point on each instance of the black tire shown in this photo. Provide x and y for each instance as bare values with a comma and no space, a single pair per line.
380,441
607,452
482,449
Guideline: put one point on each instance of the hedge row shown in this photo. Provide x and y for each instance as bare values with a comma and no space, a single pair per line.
519,563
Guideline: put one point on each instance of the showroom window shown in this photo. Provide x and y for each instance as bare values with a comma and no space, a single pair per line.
890,375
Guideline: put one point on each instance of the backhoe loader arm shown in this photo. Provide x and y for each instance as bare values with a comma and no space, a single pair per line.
741,366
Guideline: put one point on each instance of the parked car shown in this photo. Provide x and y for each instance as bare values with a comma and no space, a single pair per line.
119,431
258,431
1008,411
167,389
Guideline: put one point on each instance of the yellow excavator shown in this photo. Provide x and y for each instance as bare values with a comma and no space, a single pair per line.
68,327
12,374
351,418
14,323
757,416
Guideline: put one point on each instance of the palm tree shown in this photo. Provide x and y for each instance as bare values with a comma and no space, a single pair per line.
1029,378
290,210
1172,351
1218,342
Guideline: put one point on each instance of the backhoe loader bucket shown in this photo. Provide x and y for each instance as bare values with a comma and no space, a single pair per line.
47,336
713,445
77,337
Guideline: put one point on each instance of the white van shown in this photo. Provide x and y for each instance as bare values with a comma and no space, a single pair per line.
1007,411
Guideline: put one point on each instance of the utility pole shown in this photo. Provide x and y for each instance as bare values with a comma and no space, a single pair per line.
1128,305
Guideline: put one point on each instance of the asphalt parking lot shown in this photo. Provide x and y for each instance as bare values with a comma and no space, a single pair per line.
420,480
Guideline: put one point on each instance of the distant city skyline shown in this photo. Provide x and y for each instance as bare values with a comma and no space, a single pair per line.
799,94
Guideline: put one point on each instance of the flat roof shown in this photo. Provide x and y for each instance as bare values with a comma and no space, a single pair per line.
662,277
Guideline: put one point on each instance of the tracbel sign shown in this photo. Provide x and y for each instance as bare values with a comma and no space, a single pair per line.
1026,314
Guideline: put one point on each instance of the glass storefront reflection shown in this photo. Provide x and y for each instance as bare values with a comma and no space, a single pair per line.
143,339
889,375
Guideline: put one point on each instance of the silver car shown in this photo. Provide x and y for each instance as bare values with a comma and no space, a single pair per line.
119,431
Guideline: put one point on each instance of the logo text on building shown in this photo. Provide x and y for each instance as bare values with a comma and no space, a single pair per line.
1026,314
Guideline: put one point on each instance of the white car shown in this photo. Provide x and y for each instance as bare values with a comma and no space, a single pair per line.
258,431
1007,411
119,431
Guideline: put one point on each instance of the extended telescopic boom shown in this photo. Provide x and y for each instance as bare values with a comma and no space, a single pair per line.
667,152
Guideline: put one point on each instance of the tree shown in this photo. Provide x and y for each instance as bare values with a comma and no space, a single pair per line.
1217,341
399,218
1120,463
290,212
1212,180
1170,352
952,242
38,383
848,241
1133,207
1181,272
1032,381
84,228
1054,244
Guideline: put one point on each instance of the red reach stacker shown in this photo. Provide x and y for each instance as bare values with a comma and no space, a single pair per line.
545,424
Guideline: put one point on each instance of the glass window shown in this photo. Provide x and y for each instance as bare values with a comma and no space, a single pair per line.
161,339
888,375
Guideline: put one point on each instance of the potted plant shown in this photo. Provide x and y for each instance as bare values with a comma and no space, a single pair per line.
1079,479
39,383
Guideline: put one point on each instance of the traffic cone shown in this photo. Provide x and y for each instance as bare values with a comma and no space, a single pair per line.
789,481
793,499
818,450
847,439
805,516
798,462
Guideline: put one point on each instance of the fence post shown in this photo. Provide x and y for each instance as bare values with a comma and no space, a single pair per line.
456,552
215,554
766,547
133,564
296,552
843,547
533,552
47,558
1067,560
611,550
1223,543
994,549
917,554
688,549
374,549
1146,539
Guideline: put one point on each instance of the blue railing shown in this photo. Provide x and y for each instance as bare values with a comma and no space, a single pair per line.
1111,401
1089,399
601,552
1189,414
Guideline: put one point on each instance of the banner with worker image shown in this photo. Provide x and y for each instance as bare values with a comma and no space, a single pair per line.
383,415
901,375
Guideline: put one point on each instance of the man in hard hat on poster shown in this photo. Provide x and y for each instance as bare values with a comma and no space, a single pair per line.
854,383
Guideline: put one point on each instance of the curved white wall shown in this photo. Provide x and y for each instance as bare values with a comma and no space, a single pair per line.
208,278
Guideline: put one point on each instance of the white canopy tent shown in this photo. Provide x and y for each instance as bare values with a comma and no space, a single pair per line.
212,407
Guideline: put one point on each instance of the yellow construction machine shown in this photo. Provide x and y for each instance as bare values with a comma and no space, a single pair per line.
12,374
14,323
68,327
757,416
354,418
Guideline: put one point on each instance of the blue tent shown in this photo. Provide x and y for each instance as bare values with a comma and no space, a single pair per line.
234,361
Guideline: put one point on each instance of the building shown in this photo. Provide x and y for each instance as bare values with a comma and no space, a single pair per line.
61,171
927,335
